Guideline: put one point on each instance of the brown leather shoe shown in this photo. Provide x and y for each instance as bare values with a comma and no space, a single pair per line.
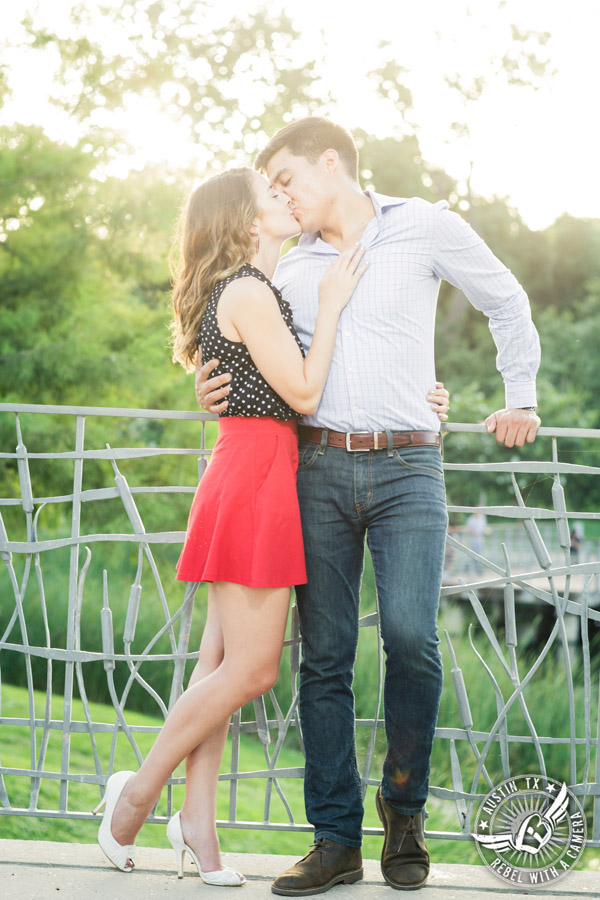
327,863
404,858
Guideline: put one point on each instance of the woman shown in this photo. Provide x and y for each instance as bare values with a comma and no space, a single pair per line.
244,534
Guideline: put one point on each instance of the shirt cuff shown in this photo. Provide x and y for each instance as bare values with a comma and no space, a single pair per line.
520,394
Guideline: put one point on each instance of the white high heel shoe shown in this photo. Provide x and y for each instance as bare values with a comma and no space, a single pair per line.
223,877
118,854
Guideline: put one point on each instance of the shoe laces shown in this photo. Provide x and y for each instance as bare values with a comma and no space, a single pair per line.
408,830
410,825
318,844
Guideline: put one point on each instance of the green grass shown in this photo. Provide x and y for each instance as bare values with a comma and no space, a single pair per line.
15,753
546,699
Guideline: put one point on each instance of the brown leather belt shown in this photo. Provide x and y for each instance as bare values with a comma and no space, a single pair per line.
365,440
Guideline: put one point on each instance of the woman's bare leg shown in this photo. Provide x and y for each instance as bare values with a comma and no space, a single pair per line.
253,625
202,765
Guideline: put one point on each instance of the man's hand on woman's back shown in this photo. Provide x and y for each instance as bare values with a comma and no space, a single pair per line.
211,391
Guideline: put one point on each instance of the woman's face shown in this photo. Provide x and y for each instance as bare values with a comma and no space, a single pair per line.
274,214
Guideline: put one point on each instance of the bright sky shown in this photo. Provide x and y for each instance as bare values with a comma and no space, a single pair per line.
539,148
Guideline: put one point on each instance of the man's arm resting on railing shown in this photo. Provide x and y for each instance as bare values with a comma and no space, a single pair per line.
460,256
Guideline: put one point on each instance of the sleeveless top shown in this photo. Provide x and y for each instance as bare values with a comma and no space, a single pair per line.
250,394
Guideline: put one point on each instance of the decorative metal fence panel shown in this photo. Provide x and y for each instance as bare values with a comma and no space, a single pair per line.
517,566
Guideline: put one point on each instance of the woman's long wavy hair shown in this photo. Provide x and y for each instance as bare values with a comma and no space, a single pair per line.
214,241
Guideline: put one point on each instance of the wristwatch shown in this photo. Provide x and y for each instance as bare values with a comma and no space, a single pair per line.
528,408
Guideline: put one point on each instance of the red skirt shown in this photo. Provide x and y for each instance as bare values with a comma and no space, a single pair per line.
244,525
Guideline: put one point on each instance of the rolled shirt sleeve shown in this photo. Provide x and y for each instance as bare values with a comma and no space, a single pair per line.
461,257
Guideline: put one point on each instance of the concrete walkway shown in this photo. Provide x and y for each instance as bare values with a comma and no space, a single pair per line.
32,870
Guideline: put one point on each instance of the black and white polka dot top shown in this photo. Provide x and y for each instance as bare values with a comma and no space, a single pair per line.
250,394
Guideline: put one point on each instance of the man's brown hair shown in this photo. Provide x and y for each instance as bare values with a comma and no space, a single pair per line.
310,137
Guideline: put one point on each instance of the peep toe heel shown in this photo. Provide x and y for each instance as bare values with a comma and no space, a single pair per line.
120,856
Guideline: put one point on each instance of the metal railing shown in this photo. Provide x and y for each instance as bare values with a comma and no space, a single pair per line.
43,540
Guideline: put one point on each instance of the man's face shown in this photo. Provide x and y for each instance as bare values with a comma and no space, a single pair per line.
308,185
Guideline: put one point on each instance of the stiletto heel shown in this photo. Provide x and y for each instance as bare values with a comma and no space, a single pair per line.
100,806
118,854
222,877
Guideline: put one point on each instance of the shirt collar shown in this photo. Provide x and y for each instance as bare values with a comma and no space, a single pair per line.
381,202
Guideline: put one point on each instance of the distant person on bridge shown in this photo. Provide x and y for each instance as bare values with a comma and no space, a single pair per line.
576,538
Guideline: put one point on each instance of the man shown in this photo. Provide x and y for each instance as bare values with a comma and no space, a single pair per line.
370,465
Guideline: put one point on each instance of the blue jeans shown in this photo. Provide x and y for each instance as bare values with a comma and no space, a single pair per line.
397,499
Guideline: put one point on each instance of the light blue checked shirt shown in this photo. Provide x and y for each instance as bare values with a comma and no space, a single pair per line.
383,363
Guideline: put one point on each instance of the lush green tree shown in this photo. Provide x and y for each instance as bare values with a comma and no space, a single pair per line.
571,337
43,245
83,274
574,254
396,167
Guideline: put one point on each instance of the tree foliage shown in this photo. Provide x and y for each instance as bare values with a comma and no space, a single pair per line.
84,278
520,60
83,274
194,65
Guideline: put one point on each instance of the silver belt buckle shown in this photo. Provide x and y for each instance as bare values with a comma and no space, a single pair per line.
356,449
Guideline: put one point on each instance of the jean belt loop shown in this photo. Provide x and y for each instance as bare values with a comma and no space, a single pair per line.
390,442
442,436
323,444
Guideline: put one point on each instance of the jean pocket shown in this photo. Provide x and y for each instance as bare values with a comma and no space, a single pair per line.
307,454
427,460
